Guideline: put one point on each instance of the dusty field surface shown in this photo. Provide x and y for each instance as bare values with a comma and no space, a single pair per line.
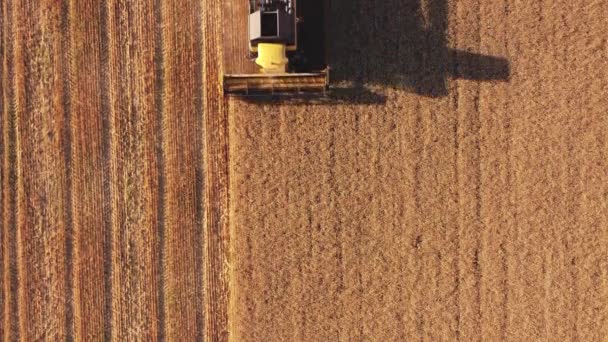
466,200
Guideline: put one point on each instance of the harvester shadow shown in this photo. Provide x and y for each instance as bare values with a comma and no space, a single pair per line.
399,43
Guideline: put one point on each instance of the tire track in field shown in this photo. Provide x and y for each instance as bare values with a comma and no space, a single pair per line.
67,153
468,165
494,178
2,174
9,188
159,85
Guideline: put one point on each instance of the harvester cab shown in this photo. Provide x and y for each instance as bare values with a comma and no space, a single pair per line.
287,44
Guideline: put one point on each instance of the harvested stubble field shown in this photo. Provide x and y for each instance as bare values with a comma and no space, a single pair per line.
455,187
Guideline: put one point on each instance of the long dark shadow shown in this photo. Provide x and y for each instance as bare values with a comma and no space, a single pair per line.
477,67
401,44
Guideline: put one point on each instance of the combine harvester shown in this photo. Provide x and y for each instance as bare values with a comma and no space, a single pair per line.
287,42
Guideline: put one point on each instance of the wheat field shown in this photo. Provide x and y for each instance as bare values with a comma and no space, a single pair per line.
454,186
